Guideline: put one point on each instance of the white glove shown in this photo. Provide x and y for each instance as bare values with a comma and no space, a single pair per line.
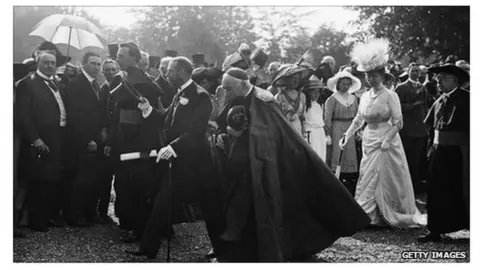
328,140
145,107
166,153
243,47
342,142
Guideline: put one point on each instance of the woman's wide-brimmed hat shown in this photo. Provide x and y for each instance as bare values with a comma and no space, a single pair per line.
332,82
291,69
451,69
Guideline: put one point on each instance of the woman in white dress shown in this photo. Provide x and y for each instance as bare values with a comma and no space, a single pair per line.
384,189
314,119
340,109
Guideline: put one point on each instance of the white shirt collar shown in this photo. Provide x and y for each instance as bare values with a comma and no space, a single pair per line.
44,76
185,85
89,78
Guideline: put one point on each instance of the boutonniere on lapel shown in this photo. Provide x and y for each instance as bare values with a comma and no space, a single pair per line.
183,101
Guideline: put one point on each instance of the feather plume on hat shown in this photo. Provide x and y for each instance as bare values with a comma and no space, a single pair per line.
371,55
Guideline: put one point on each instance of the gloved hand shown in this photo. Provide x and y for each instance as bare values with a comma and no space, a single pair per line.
166,153
343,141
328,140
385,145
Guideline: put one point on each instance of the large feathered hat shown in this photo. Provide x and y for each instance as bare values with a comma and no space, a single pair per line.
372,55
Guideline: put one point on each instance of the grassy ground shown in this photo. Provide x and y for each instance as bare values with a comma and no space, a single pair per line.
100,244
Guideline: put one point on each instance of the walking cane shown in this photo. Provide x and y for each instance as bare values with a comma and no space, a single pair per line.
339,164
169,210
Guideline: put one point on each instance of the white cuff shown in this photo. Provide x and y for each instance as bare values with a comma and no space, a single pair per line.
171,149
147,113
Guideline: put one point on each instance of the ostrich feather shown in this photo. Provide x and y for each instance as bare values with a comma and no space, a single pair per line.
371,55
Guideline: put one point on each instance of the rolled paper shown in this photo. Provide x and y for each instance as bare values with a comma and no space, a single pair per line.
137,155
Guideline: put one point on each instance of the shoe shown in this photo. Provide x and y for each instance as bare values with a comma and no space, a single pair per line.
139,252
57,223
105,220
210,254
80,224
430,237
129,237
39,228
17,233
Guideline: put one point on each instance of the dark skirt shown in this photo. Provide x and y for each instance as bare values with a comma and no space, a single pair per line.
448,187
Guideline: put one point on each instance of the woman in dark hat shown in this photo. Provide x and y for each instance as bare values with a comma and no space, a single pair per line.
448,184
292,101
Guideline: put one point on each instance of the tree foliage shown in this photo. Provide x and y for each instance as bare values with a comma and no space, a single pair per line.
420,31
213,31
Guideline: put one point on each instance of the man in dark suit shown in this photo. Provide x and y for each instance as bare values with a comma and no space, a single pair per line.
188,151
413,98
88,127
136,181
168,89
41,119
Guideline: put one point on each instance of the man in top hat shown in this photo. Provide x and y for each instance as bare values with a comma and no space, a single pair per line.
41,121
187,150
136,181
414,98
276,208
171,53
448,121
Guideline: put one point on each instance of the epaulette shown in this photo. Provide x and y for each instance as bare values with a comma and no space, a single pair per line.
264,95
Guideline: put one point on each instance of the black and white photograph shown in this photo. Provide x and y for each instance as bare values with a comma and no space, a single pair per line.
238,133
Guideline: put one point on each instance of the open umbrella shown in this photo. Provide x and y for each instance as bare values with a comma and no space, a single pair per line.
68,29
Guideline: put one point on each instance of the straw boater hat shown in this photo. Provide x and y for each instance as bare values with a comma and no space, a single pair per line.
332,82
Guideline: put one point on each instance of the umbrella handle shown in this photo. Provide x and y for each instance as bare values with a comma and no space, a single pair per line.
69,37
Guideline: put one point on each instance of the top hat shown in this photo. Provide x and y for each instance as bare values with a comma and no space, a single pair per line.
112,51
198,59
171,53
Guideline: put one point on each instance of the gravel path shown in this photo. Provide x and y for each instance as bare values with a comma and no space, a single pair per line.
100,244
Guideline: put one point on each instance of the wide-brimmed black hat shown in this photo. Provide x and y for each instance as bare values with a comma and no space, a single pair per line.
451,69
49,46
290,69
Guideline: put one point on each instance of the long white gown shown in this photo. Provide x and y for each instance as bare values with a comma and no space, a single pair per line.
384,189
314,123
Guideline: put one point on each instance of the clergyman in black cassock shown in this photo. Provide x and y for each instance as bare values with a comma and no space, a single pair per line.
448,185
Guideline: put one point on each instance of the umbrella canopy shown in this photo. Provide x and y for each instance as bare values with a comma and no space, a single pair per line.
68,29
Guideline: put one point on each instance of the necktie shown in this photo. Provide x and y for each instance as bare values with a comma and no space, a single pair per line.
52,85
96,88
